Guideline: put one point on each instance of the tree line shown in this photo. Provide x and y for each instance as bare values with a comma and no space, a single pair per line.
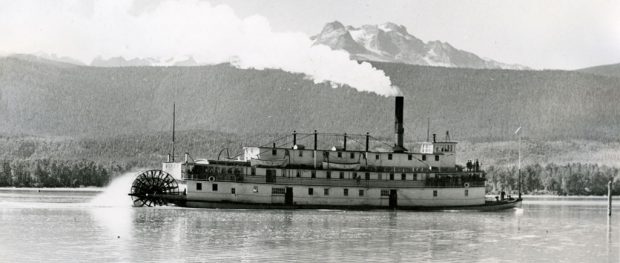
569,179
55,173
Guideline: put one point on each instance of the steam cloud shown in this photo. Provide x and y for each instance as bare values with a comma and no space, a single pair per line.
179,30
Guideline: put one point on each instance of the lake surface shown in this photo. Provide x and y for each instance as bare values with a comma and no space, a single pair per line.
103,227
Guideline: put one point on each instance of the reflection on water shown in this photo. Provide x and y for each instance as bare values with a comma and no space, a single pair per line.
63,226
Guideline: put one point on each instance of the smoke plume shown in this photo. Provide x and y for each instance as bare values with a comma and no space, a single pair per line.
178,30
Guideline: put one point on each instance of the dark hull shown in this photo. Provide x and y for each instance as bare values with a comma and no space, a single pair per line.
488,206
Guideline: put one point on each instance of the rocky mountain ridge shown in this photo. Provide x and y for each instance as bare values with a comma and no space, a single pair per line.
389,42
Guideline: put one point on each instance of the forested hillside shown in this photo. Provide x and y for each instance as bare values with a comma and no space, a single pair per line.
67,125
50,99
612,70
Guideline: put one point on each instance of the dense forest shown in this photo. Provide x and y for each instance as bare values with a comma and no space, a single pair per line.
45,162
569,179
51,173
39,98
67,125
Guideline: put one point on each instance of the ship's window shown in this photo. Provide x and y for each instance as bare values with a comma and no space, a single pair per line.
232,190
423,157
198,186
367,175
391,176
253,171
403,177
385,192
326,191
346,192
270,177
310,191
466,192
255,189
352,155
278,191
436,157
376,157
389,156
409,157
274,152
328,174
313,174
434,193
214,187
301,153
361,193
341,175
339,155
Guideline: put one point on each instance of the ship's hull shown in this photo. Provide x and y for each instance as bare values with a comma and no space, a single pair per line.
487,206
219,194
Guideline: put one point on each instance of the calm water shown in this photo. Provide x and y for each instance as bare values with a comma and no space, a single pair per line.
103,227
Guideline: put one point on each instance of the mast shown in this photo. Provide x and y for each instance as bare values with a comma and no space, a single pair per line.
519,164
173,124
519,168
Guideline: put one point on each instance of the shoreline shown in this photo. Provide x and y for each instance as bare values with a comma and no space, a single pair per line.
54,189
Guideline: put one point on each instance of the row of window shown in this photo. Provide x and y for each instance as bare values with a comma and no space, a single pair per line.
352,155
345,191
392,176
282,191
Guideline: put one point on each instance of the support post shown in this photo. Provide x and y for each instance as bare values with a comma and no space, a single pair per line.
315,140
294,138
345,141
367,141
609,198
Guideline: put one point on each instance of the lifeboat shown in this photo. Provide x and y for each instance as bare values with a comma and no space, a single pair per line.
269,163
341,166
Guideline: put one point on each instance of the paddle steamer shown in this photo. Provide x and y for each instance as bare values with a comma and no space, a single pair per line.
296,176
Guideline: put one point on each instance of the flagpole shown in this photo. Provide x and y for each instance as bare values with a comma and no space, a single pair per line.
518,133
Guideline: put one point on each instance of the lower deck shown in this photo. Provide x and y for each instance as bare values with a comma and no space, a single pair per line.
201,193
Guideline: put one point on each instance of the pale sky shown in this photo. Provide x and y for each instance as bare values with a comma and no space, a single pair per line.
566,34
559,34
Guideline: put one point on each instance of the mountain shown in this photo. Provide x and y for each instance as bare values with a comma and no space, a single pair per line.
392,43
66,100
122,62
612,70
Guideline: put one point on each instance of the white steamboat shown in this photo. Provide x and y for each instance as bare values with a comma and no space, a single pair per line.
294,176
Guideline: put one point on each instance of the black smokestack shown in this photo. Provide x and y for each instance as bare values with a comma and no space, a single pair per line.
398,125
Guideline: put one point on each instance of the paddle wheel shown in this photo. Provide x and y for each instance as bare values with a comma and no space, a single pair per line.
154,187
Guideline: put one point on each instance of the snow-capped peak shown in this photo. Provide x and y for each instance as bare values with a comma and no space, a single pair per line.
391,42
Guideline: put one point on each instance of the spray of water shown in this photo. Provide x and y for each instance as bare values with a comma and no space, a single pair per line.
115,194
175,31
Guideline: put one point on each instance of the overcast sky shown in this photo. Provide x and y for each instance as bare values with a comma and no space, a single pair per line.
540,34
562,34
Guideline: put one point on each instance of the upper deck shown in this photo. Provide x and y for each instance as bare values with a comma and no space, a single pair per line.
425,156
